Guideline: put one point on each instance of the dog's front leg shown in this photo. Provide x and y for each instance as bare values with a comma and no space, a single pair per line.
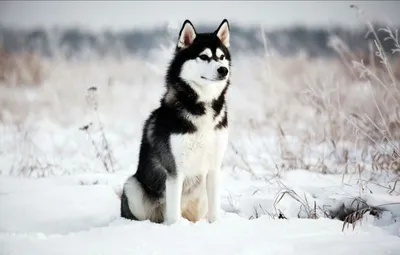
214,177
213,194
173,194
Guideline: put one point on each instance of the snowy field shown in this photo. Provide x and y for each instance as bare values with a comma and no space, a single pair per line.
292,172
79,214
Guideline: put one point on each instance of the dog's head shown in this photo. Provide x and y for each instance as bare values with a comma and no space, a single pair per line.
202,60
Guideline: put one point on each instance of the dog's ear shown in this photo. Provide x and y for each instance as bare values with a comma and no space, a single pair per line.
223,32
186,35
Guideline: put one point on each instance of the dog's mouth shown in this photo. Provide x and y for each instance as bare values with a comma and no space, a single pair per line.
205,78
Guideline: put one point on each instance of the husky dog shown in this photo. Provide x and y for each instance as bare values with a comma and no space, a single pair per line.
185,138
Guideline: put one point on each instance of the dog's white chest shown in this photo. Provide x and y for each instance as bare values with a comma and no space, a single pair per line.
196,153
193,152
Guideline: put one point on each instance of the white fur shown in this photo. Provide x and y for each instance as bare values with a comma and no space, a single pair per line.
173,193
202,77
219,53
138,203
213,193
213,177
199,154
206,52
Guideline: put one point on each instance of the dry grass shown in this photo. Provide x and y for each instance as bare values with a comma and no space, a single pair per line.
21,69
317,101
358,215
103,152
327,115
347,106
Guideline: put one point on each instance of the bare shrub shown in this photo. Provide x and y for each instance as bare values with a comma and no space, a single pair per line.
103,153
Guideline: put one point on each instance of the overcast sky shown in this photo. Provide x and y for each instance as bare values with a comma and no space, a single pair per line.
129,14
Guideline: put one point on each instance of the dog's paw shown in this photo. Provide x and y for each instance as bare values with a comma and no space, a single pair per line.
169,222
213,217
172,220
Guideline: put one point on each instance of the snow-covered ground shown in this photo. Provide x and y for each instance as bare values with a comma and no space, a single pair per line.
79,214
56,197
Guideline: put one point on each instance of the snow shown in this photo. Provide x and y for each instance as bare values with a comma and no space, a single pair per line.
79,214
57,198
232,235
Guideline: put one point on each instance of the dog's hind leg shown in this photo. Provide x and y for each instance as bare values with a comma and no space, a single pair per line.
125,211
134,201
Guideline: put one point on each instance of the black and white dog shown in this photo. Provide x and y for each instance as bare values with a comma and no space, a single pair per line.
184,140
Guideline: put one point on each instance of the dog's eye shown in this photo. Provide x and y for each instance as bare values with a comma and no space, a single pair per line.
222,57
204,57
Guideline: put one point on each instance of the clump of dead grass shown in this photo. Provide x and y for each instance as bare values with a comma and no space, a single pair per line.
22,68
347,109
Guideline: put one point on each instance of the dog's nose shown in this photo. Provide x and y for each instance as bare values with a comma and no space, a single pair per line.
222,71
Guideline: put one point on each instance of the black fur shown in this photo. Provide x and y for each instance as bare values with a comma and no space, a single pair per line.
157,155
223,123
219,102
156,161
